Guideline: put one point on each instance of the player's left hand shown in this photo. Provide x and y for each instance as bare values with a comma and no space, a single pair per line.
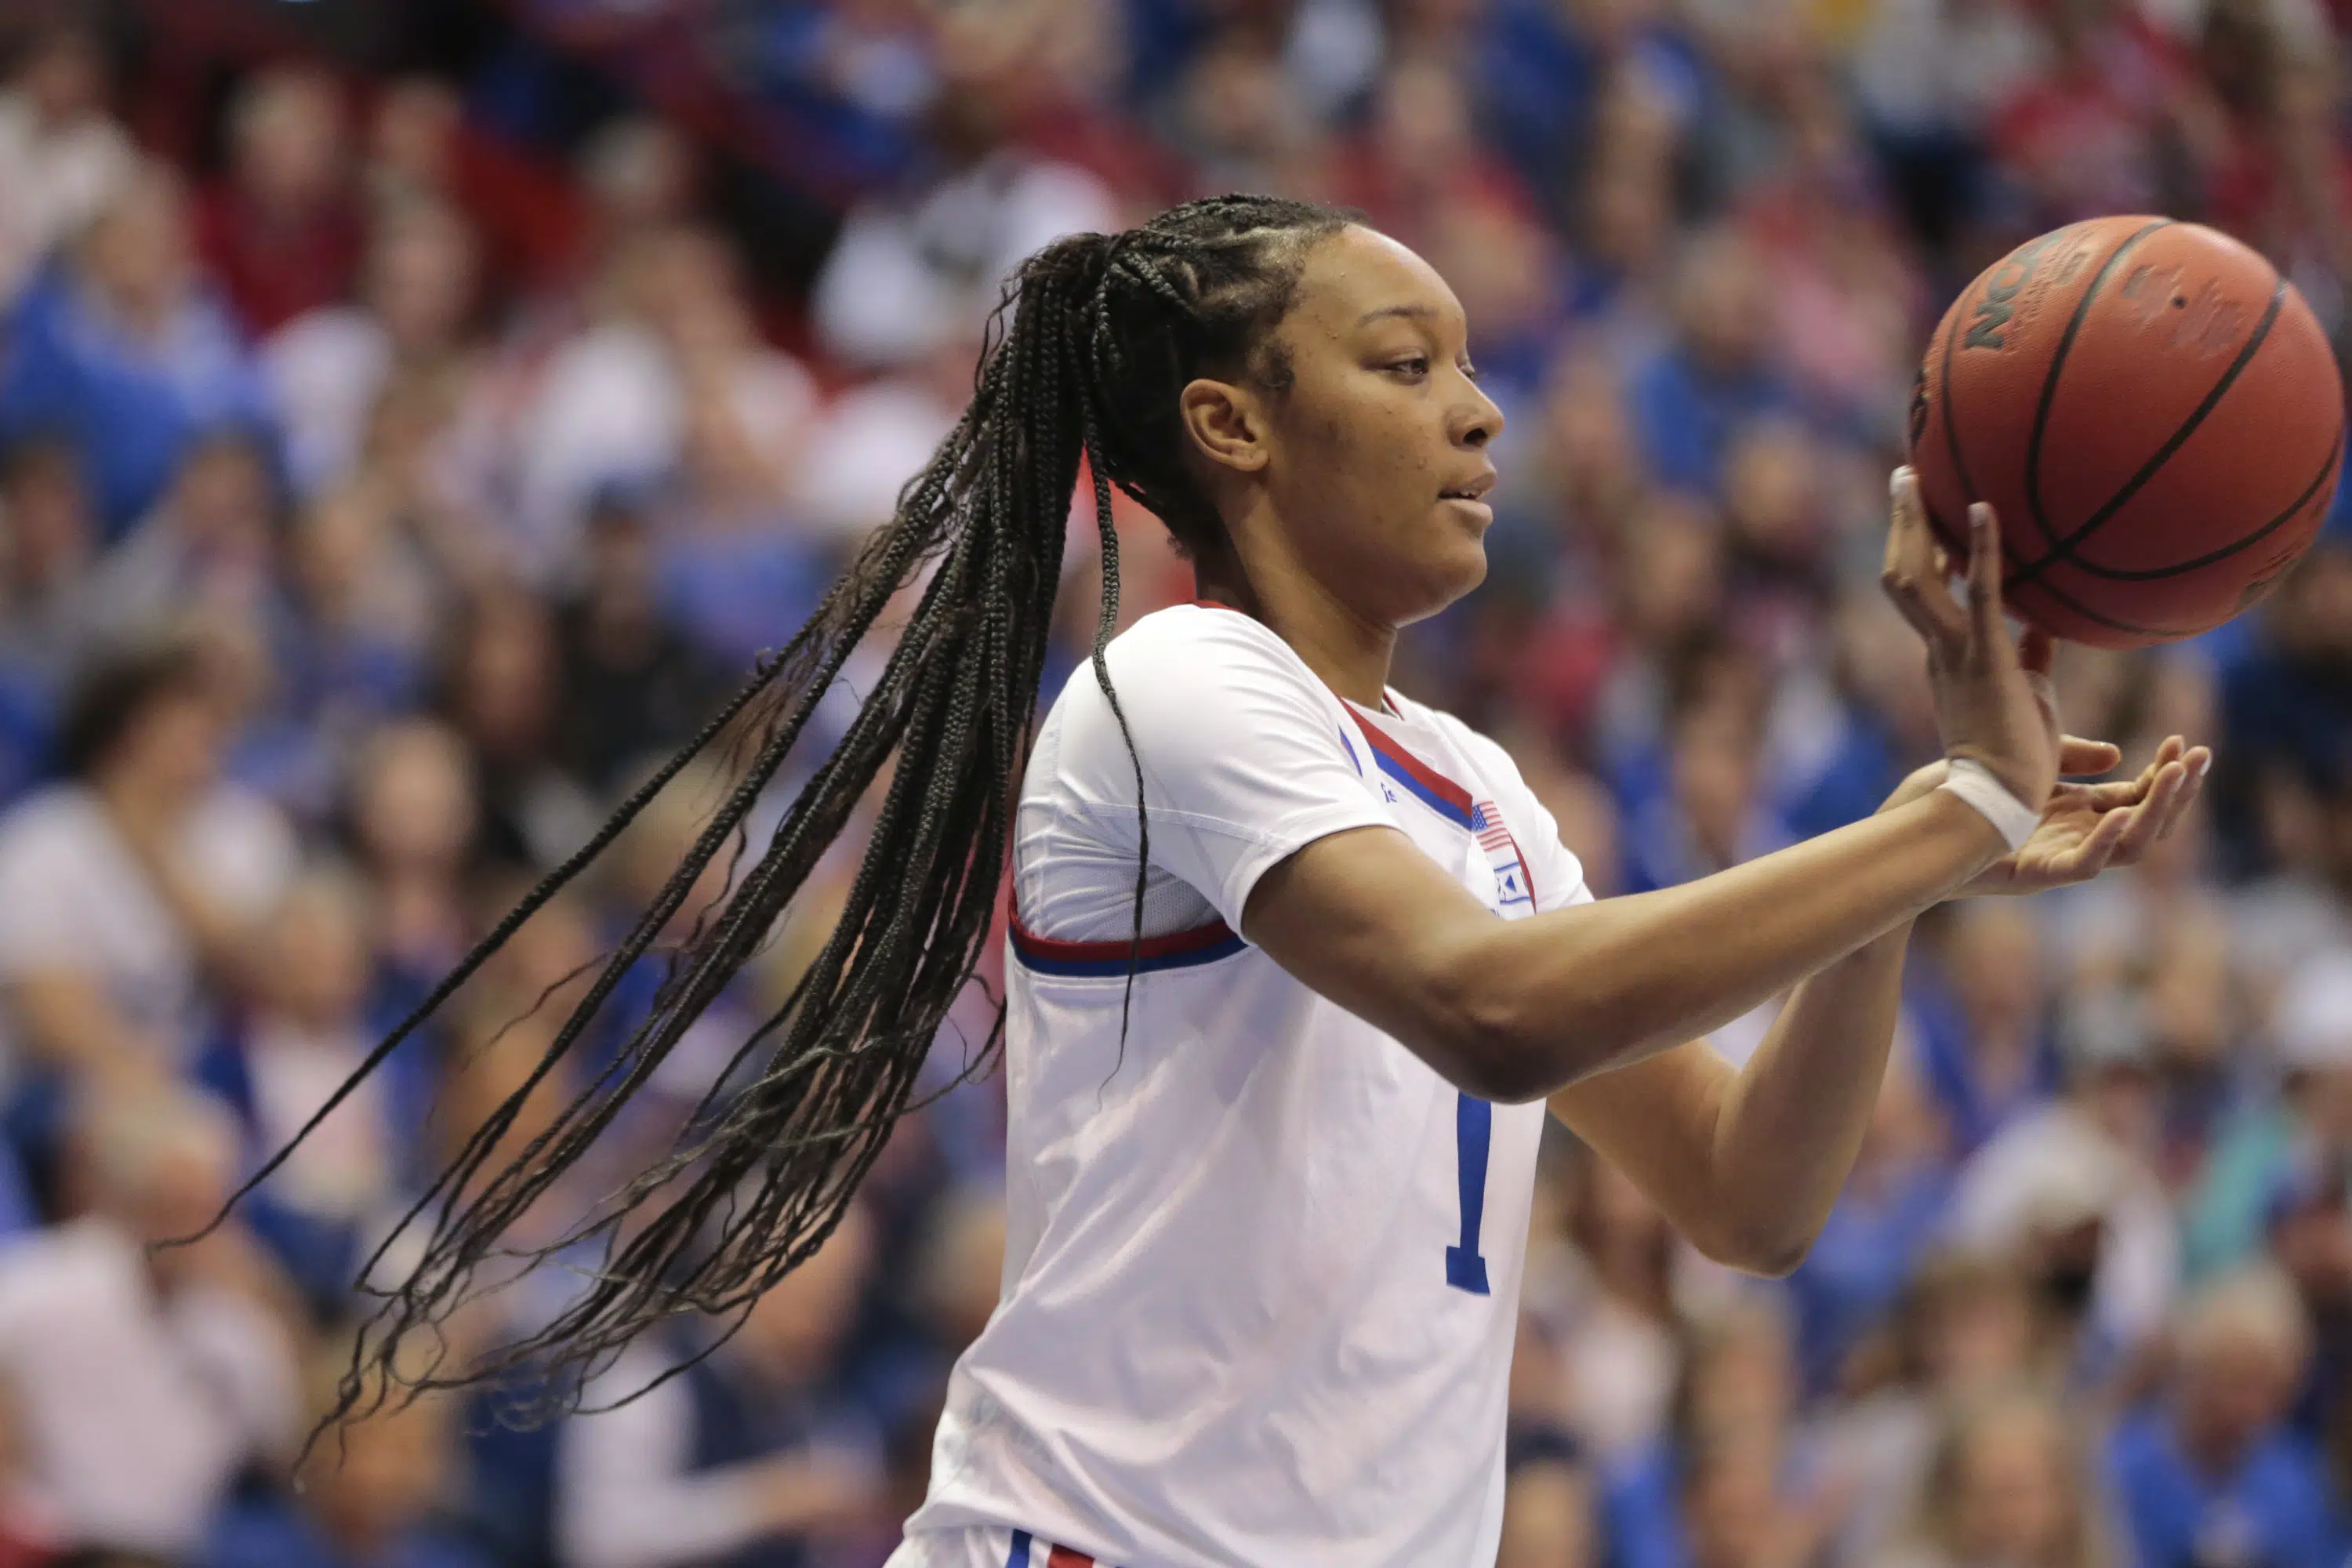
2087,828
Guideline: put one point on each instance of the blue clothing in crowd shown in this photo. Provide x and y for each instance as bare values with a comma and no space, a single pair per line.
275,1534
1857,1267
130,406
2273,1509
1640,1513
1973,1109
739,596
1686,416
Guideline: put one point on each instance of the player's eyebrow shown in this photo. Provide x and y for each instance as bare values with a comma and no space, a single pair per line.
1418,312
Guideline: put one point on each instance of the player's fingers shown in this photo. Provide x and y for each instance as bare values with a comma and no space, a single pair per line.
1987,629
2143,821
2070,797
2128,792
2198,760
2115,794
1904,511
2037,652
2079,758
2167,751
2090,858
1909,576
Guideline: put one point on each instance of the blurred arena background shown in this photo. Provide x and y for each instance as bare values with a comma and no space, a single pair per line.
414,414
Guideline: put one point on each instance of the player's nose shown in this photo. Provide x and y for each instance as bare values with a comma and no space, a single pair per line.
1475,420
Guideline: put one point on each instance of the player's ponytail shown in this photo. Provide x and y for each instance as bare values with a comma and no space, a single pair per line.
1083,359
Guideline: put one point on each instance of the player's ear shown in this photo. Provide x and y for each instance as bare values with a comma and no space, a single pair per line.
1226,422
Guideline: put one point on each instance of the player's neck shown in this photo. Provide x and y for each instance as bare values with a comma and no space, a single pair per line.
1349,653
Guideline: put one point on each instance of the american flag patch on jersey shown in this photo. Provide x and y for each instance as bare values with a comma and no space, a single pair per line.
1029,1552
1513,886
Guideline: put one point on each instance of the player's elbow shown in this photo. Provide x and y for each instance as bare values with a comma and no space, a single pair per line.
1493,1054
1492,1075
1762,1248
1514,1044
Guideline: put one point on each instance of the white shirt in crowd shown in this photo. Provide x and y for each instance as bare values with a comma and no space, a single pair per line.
611,407
326,367
345,1167
137,1413
1263,1264
907,278
2053,1167
53,180
73,897
871,438
627,1494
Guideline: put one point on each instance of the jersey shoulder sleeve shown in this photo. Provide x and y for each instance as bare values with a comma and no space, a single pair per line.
1559,875
1242,757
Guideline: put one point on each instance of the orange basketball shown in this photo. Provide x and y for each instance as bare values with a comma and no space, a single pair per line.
2154,413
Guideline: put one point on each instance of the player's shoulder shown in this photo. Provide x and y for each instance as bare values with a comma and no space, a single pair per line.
1199,634
1187,657
1190,682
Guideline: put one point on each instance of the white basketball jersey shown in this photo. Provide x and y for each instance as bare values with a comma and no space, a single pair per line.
1263,1269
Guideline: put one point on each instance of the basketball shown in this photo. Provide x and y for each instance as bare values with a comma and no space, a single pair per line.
2153,411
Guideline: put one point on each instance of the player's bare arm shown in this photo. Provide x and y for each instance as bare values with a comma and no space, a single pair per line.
1746,1163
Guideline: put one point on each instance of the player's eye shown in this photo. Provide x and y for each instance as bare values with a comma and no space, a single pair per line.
1414,366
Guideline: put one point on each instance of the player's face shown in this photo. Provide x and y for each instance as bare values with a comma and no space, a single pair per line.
1377,461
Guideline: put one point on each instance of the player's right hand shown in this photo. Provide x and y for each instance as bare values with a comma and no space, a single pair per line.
1993,698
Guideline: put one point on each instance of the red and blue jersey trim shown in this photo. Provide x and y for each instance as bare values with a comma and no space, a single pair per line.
1431,788
1022,1555
1177,949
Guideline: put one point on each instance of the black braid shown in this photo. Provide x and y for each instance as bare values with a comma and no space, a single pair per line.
1083,359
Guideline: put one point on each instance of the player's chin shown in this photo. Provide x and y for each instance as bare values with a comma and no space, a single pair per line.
1446,575
1460,535
1475,516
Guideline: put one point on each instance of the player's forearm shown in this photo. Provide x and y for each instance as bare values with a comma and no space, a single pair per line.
1793,1120
1550,1000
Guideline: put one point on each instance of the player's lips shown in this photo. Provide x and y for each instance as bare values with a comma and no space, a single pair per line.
1475,487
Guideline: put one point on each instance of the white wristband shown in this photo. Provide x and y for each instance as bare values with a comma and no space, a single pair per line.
1974,783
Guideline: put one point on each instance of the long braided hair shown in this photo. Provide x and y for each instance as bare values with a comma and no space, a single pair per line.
1084,357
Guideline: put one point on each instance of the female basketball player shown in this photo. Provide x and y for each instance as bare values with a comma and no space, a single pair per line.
1281,1035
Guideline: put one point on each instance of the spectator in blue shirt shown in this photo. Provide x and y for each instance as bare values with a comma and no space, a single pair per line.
1690,396
372,1497
1884,1224
1697,804
2286,715
121,351
2210,1473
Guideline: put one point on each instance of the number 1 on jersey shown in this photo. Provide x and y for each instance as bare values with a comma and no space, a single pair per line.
1473,1129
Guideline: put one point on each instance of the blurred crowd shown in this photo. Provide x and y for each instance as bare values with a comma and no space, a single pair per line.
365,535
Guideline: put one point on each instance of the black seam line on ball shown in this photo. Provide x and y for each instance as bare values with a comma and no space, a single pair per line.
2065,549
1952,433
2069,601
2115,575
2050,384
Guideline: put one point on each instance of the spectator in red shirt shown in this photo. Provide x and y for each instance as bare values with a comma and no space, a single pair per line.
283,233
2091,134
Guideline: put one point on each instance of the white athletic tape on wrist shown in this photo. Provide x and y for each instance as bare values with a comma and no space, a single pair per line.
1974,784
